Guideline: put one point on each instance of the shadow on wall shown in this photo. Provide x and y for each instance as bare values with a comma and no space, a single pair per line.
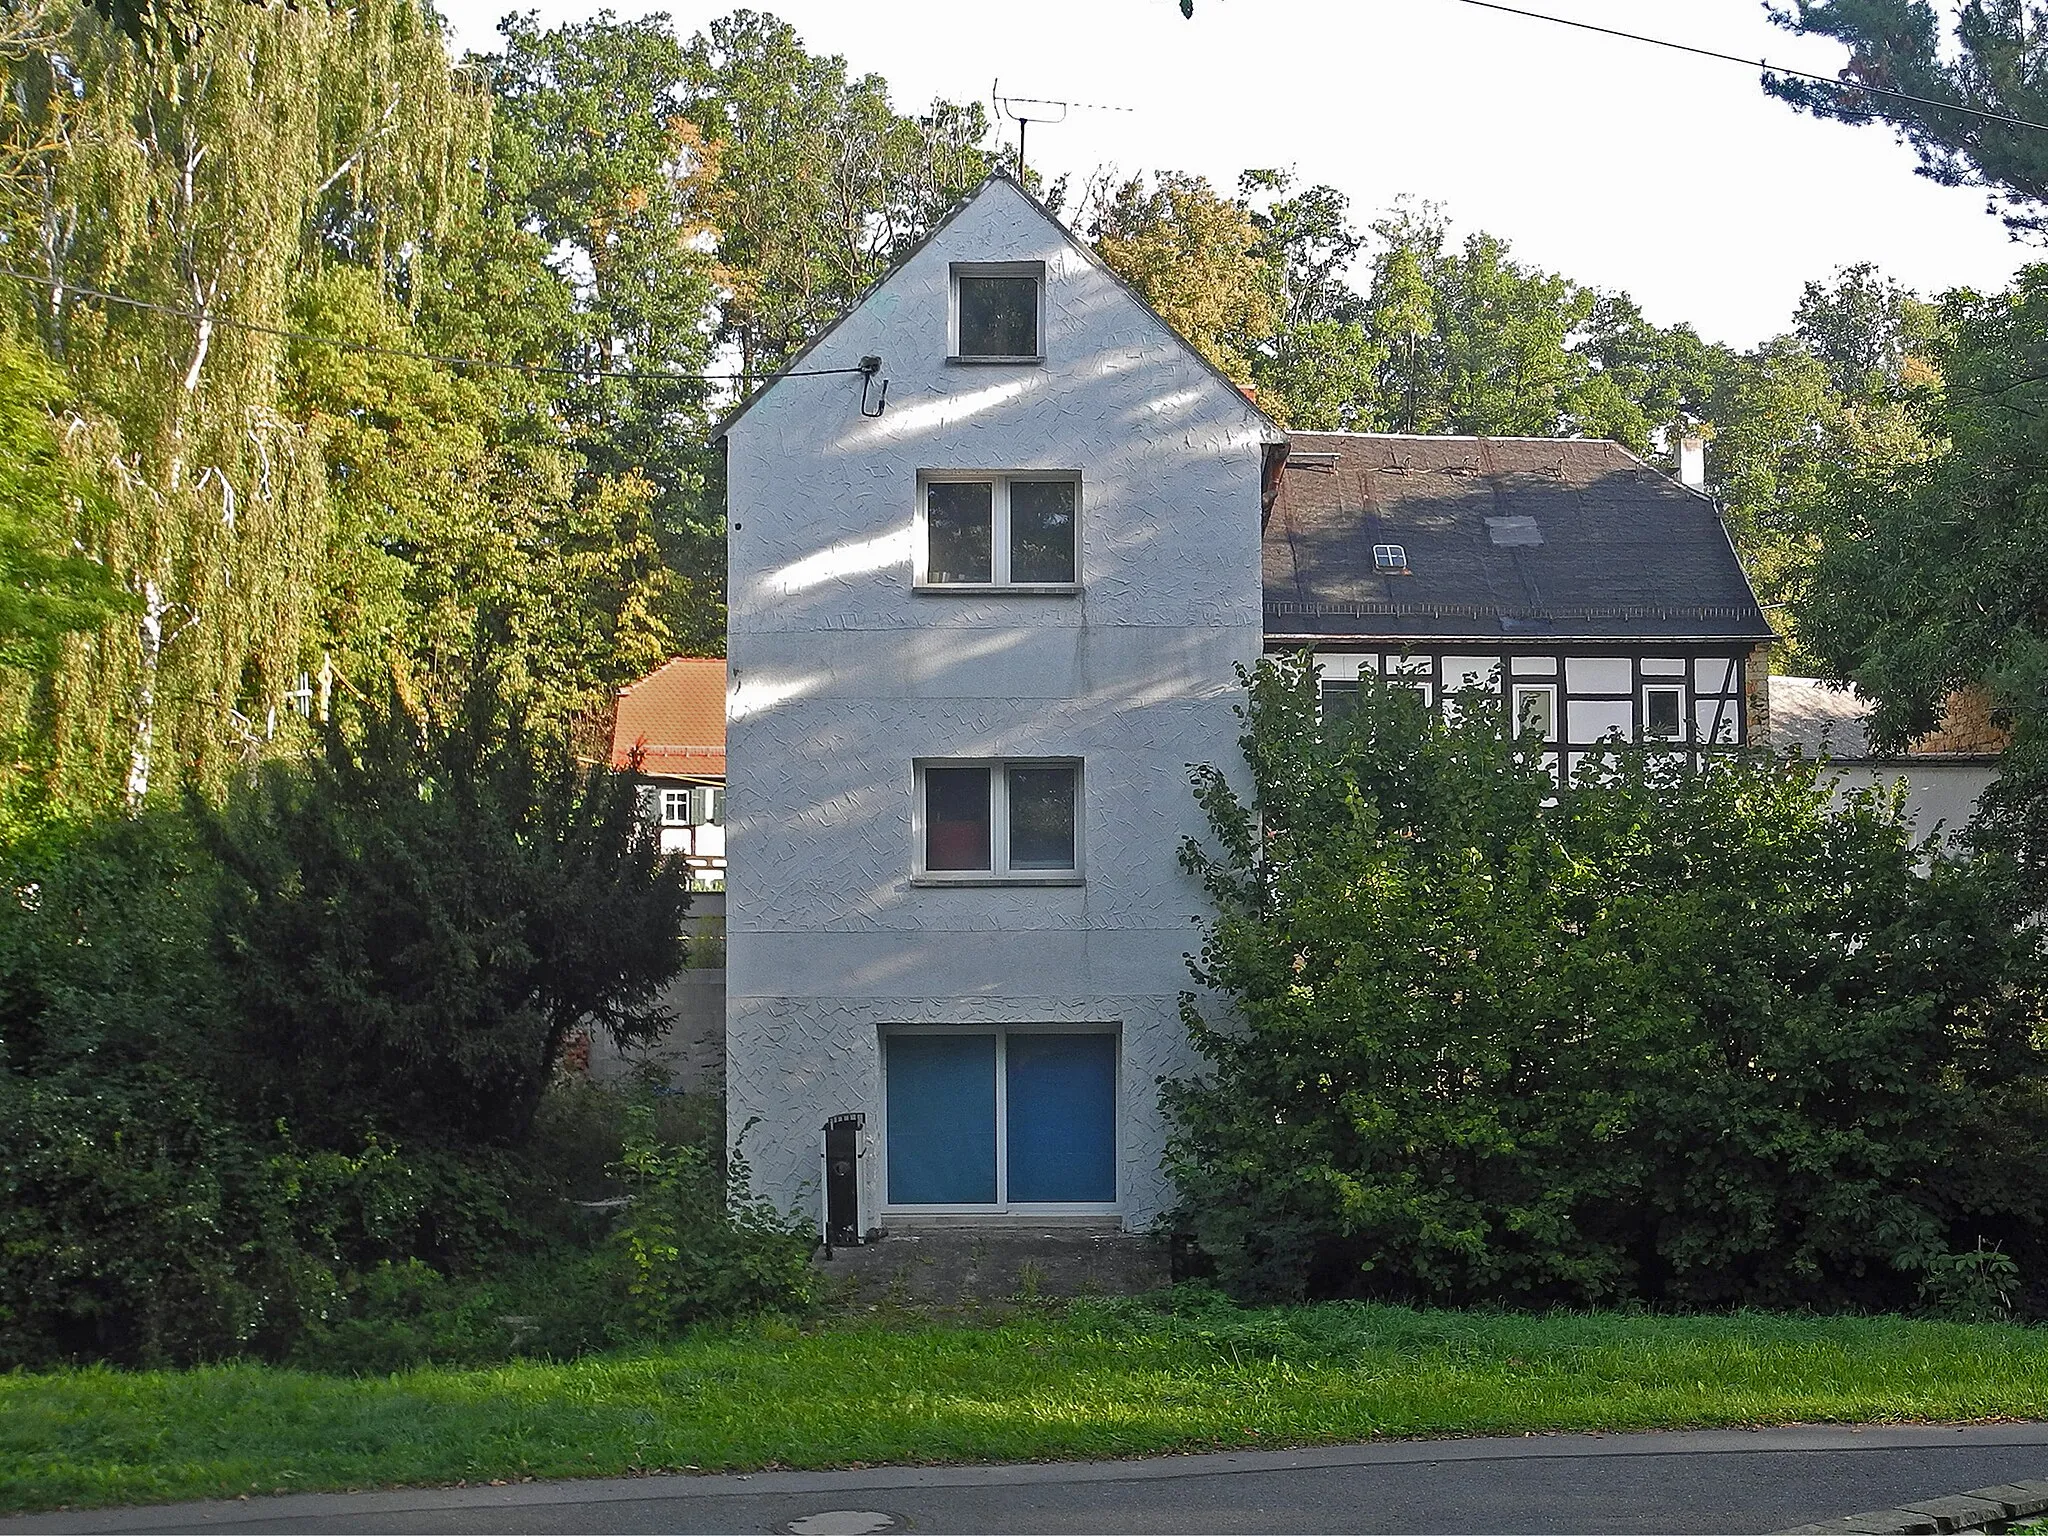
690,1058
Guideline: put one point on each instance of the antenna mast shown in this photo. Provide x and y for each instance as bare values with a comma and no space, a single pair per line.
1009,107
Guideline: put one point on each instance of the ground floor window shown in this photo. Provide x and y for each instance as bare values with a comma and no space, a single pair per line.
981,1119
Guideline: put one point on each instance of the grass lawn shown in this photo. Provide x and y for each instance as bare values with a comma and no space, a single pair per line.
1092,1380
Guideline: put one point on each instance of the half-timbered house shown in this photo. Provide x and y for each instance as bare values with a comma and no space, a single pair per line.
1598,597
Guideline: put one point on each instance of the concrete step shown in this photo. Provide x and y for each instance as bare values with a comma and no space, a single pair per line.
949,1264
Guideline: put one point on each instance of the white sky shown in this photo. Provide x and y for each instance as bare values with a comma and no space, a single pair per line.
1629,167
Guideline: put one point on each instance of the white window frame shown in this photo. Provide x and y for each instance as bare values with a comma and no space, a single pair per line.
1003,1205
999,871
999,482
668,797
1390,557
1681,734
1548,689
960,269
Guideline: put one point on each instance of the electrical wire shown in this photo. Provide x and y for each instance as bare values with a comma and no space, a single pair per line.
1763,64
373,350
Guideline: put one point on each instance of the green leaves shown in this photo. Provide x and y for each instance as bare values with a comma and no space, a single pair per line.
52,518
416,920
1690,1034
1987,62
1931,589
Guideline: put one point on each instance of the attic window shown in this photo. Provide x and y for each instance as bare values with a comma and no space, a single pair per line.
1390,557
1513,532
995,311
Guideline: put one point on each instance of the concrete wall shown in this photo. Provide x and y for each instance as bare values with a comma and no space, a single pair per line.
1938,793
841,676
691,1056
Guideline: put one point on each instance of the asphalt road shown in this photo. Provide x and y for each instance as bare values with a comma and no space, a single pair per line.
1716,1480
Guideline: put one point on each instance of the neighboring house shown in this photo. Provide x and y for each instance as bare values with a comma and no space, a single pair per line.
1945,771
1595,596
976,637
674,718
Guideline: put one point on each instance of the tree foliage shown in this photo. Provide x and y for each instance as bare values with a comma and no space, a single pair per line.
1966,76
416,921
1690,1035
50,586
1932,573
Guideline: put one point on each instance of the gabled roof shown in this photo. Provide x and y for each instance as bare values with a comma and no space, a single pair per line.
1526,539
675,715
998,176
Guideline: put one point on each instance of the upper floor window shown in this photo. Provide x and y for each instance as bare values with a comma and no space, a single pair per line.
1016,820
696,806
996,311
1536,709
1664,712
999,531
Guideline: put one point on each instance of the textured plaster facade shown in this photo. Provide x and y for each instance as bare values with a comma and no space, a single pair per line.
841,675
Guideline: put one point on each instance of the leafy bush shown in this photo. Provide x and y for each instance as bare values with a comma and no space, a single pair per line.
270,1076
696,1243
689,1245
1689,1034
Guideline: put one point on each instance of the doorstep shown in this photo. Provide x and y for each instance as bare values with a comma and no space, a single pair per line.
995,1259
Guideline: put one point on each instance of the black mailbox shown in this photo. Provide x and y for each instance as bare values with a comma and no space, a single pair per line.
842,1180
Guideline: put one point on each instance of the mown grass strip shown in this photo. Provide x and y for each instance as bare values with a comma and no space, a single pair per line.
1092,1381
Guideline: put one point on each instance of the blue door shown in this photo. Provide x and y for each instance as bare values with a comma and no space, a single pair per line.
1062,1118
942,1119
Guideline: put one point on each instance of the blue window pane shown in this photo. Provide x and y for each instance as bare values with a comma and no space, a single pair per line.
1062,1118
942,1119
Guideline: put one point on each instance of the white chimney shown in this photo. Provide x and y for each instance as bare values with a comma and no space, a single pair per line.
1692,462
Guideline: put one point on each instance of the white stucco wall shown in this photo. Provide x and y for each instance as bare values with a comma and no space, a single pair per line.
1941,794
841,676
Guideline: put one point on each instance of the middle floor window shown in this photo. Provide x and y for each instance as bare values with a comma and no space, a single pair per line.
999,531
1012,819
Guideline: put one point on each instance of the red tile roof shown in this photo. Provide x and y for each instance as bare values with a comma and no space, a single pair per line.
675,715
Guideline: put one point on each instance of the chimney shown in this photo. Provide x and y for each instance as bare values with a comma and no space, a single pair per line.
1692,462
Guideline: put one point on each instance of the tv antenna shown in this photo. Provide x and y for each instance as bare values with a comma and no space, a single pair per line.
1026,110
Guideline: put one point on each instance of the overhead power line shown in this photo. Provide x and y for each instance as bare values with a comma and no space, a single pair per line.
1763,64
445,359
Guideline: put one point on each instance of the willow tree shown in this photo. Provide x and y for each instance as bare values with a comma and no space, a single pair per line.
203,183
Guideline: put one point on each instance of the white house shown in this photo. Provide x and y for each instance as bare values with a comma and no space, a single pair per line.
979,629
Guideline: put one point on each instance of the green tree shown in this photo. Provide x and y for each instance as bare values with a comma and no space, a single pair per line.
596,156
415,921
456,512
1867,329
206,178
1987,62
51,586
1933,575
1317,371
1689,1034
821,184
1198,259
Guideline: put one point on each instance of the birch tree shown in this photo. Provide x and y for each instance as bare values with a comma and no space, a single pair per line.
199,183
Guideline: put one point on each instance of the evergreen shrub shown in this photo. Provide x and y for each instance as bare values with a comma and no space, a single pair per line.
280,1078
1690,1034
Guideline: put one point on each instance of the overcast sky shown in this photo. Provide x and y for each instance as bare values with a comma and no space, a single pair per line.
1630,167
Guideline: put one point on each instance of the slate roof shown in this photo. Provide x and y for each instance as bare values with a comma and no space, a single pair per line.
1526,539
676,716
